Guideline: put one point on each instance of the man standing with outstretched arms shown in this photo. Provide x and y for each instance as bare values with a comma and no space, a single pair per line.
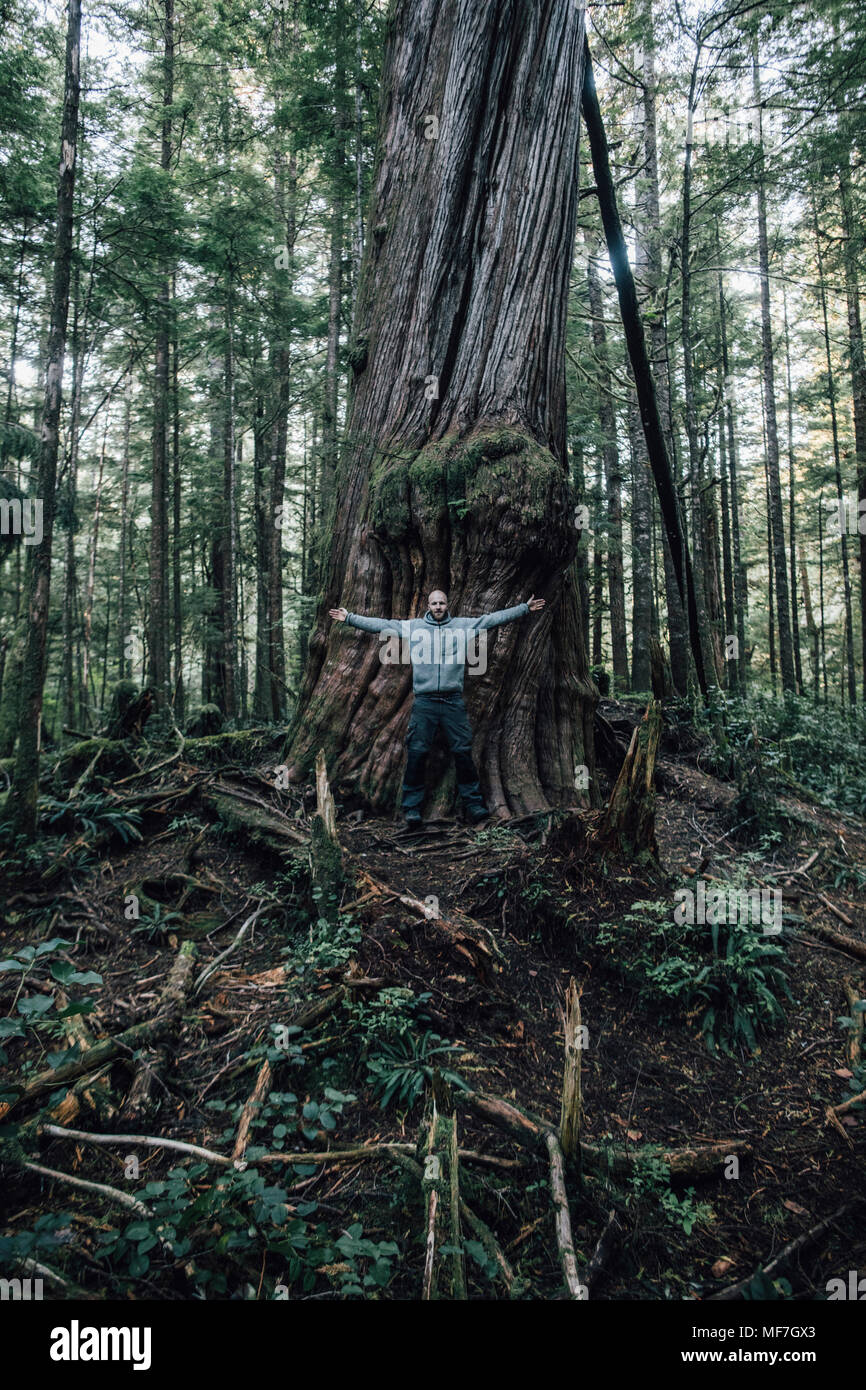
437,649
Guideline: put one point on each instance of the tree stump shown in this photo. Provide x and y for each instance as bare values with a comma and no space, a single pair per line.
628,825
326,856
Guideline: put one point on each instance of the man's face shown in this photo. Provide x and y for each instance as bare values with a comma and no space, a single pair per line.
438,602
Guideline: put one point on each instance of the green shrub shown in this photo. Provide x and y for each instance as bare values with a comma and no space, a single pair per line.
400,1070
650,1180
728,972
38,1010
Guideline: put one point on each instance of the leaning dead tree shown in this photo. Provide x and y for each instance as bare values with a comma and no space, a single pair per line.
638,356
454,471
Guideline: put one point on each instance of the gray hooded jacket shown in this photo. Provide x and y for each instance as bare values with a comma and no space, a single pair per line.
437,651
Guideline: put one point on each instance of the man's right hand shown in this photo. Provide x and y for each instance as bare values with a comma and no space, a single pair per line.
341,614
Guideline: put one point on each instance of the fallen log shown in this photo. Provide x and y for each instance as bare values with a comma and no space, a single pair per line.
320,1009
431,1185
784,1256
562,1217
215,749
262,824
445,1117
702,1161
106,1050
109,1194
253,1105
358,1153
831,907
528,1129
113,756
850,945
479,1228
140,1099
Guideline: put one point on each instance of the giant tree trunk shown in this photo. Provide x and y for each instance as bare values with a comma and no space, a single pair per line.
455,472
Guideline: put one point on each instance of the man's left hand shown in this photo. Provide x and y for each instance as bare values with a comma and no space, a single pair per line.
535,603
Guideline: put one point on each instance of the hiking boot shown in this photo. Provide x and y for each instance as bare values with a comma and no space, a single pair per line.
476,817
412,818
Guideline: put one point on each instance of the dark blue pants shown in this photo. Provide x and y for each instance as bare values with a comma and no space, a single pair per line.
428,712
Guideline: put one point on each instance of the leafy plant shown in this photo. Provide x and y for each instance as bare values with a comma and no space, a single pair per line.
816,750
329,945
33,1009
158,921
90,815
391,1013
370,1264
730,972
650,1178
213,1228
401,1069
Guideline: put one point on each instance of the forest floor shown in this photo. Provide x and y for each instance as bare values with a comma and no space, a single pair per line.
392,979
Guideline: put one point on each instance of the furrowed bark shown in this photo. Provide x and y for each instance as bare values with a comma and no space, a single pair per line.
454,472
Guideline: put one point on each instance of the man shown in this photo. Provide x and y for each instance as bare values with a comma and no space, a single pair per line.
437,645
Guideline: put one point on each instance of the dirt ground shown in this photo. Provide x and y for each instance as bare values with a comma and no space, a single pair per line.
535,888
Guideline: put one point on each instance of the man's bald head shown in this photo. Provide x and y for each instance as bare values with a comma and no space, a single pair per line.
437,601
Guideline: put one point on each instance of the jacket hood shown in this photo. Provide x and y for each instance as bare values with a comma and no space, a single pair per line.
428,618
